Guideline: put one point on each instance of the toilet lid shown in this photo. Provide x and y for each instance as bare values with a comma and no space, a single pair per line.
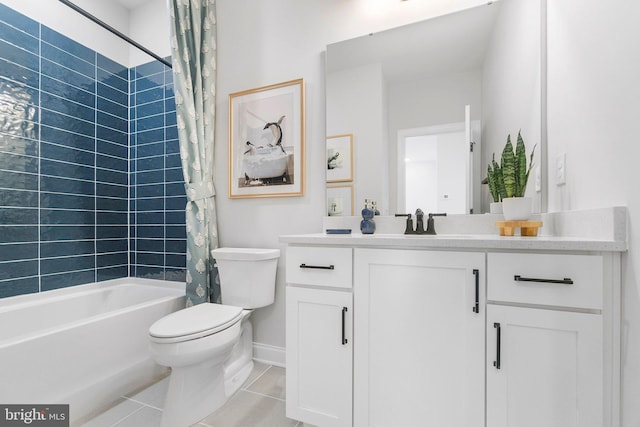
195,322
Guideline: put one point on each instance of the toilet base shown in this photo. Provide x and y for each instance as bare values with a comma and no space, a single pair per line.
196,391
192,396
240,363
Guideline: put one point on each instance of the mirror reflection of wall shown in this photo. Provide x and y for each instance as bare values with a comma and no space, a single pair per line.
387,84
512,86
358,107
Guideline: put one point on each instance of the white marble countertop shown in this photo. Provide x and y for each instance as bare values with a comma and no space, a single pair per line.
602,229
453,241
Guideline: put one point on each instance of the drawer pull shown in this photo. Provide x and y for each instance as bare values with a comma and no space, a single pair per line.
476,307
496,362
318,267
344,338
565,281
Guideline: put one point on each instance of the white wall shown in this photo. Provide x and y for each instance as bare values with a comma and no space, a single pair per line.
433,101
149,26
261,43
594,106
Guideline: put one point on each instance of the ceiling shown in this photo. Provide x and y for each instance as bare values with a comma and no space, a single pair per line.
131,4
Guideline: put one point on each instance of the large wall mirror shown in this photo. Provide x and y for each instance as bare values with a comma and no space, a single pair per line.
417,98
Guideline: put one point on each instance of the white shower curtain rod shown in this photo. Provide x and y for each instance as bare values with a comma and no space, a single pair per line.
114,31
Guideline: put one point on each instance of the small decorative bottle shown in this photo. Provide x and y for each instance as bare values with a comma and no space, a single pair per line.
367,225
374,207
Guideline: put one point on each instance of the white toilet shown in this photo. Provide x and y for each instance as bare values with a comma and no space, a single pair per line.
209,347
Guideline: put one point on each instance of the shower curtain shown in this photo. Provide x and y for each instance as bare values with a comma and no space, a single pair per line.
193,39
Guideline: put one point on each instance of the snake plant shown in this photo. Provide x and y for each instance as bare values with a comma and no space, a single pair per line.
509,179
495,181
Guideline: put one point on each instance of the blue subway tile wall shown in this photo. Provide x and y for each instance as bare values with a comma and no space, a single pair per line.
158,195
19,154
90,180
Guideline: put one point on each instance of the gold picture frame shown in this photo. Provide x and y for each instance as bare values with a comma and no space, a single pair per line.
340,158
267,141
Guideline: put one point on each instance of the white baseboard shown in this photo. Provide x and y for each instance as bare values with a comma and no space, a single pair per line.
269,354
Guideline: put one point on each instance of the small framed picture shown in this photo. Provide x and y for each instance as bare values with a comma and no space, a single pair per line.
340,158
266,141
340,200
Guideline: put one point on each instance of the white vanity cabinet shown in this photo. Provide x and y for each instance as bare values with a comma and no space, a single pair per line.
551,346
419,345
484,331
319,334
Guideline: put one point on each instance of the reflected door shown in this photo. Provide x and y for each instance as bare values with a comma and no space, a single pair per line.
431,175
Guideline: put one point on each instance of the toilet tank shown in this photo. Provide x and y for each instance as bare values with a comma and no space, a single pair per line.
247,276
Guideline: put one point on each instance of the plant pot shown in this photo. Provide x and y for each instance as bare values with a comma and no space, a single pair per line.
495,208
516,208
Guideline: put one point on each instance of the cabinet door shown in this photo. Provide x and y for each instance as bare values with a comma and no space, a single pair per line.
319,356
547,369
419,345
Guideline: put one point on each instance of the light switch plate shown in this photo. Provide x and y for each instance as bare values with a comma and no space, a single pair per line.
538,179
561,169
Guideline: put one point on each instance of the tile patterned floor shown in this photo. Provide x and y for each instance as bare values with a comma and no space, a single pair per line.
260,402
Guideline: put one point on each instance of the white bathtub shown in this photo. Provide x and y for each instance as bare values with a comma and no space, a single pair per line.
83,345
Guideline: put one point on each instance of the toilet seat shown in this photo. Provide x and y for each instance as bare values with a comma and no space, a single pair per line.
194,322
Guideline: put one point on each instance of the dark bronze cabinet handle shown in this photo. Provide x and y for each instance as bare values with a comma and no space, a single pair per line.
496,362
318,267
344,312
565,281
476,307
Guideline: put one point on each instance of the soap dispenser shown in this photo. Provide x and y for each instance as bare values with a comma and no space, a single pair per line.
374,207
367,225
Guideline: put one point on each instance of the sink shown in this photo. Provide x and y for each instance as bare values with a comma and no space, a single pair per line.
442,236
437,236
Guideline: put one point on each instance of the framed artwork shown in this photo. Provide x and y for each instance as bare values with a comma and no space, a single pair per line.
340,158
266,141
340,200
